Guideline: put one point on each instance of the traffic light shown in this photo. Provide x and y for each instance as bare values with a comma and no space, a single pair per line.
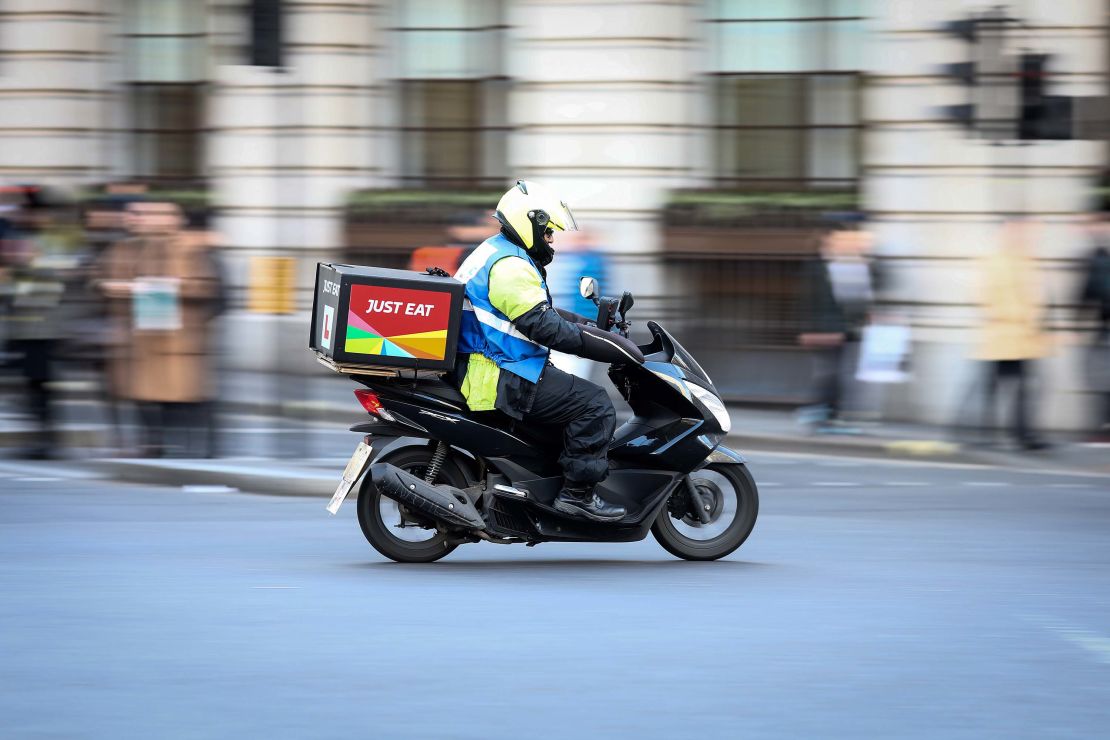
266,42
1102,194
962,114
962,28
987,74
1043,116
1008,94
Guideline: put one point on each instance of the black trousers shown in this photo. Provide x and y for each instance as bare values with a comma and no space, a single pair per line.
1015,372
175,428
587,418
36,357
828,367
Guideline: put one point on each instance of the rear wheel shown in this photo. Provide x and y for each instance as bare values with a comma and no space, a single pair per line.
729,497
390,527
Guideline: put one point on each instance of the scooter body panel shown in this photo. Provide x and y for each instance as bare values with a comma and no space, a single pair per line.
531,516
414,417
638,490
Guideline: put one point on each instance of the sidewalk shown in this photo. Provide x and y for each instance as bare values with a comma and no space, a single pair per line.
313,413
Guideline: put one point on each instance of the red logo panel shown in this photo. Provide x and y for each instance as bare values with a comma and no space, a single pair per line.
400,311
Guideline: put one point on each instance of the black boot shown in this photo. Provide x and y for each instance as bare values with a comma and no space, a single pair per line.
583,501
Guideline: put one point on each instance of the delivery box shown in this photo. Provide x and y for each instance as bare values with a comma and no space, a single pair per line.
374,317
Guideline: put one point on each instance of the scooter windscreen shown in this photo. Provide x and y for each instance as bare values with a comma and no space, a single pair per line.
686,361
664,342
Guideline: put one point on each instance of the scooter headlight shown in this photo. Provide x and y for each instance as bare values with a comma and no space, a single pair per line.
714,404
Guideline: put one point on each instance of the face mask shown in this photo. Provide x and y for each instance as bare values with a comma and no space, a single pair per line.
541,252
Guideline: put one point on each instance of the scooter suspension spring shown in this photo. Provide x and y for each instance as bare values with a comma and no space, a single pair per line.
438,457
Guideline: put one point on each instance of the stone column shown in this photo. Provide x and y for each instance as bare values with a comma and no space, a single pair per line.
285,148
602,111
54,91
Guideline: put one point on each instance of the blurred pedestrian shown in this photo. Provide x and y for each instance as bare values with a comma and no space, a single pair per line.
1094,297
161,281
35,261
98,331
1012,334
7,212
838,289
205,419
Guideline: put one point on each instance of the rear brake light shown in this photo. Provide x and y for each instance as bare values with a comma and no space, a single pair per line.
372,403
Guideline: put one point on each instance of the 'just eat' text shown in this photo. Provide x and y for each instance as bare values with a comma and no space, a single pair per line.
400,307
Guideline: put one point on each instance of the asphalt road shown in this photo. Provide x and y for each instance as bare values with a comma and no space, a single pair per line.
872,600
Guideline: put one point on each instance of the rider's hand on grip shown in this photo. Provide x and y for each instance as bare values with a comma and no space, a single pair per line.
604,346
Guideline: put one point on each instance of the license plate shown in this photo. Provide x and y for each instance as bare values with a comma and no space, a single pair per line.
355,466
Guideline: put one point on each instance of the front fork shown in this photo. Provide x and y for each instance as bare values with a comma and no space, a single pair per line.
697,503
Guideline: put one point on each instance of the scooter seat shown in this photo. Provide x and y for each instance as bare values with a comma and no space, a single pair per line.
442,389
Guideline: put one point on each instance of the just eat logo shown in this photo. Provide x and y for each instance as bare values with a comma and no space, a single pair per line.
401,307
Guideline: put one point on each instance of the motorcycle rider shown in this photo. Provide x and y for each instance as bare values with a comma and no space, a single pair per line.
508,328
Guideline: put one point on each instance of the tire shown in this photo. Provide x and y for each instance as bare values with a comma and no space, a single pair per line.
666,528
412,460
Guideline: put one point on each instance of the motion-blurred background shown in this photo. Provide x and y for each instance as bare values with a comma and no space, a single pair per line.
864,210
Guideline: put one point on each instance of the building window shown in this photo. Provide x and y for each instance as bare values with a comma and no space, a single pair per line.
453,94
166,130
786,85
165,53
795,131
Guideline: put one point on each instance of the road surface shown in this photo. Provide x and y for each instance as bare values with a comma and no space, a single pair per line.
872,600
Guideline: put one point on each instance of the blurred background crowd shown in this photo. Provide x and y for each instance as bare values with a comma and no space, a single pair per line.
850,210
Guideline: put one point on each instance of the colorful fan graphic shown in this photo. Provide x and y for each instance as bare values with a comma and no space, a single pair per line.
405,323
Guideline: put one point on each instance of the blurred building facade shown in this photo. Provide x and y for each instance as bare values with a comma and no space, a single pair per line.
619,104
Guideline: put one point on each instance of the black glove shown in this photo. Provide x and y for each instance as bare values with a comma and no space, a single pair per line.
604,346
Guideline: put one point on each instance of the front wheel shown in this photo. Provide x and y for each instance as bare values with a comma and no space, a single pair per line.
730,494
390,527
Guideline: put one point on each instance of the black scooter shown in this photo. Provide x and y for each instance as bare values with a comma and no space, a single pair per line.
449,476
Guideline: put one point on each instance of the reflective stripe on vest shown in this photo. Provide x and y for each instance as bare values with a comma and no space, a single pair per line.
486,330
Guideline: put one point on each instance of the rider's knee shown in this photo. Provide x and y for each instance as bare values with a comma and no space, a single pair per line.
599,404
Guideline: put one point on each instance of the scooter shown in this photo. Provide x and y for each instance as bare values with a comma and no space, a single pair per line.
446,476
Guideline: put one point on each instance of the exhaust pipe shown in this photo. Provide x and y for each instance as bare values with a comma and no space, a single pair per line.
442,503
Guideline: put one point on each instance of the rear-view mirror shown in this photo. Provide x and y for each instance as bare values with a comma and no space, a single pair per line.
587,287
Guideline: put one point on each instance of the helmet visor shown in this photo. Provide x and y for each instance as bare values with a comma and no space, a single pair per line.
569,222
